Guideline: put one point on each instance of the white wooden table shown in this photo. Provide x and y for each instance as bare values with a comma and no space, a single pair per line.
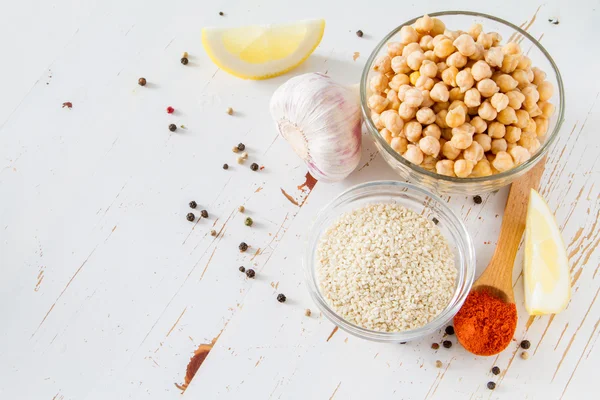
106,290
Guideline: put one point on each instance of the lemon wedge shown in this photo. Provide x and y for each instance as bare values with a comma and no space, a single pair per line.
262,51
546,269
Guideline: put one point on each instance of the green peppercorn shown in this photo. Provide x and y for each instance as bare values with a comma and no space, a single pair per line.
449,330
184,60
242,269
525,344
447,344
495,370
193,204
172,127
190,217
142,81
250,273
254,167
243,246
248,221
281,298
491,385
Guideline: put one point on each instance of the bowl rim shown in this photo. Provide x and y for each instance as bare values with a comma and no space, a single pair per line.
464,280
551,138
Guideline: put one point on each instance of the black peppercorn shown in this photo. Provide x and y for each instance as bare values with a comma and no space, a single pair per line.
447,344
191,217
435,346
243,246
250,273
142,81
221,13
172,127
449,330
193,204
248,221
204,214
225,166
435,220
477,199
242,269
491,385
241,147
184,60
359,33
402,342
525,344
281,298
254,166
495,370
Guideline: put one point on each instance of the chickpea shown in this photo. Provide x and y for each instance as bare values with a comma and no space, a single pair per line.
383,64
440,119
412,131
449,151
430,56
539,76
479,124
464,79
531,96
509,63
426,43
479,53
398,80
437,39
456,94
390,75
449,76
463,168
424,24
424,83
456,117
547,108
456,60
472,98
426,116
515,99
503,161
428,69
498,145
546,90
413,97
475,30
392,97
499,101
487,87
413,154
485,141
432,130
511,48
399,144
496,38
507,116
461,141
445,167
438,27
411,48
402,91
414,60
524,63
377,103
439,92
443,105
541,124
485,40
386,135
534,111
442,66
414,77
458,103
513,134
447,134
530,141
452,35
529,73
429,163
465,45
505,82
487,111
519,154
408,35
444,48
464,129
394,49
522,119
473,153
399,65
496,130
521,77
481,70
427,102
494,57
392,122
407,112
510,146
429,146
376,118
378,83
482,168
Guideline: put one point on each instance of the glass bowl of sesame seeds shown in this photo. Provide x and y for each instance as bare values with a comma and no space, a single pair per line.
389,261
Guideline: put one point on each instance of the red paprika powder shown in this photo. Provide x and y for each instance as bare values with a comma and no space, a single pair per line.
485,324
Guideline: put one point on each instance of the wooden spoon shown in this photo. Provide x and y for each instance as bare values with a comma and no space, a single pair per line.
497,277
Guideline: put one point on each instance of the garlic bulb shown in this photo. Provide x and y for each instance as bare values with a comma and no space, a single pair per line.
322,122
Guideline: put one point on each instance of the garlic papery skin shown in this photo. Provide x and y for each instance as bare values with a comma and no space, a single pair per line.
322,122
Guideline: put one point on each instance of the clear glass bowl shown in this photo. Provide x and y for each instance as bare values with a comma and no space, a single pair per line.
419,201
444,184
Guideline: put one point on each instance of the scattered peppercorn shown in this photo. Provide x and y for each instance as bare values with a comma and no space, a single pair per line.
191,217
241,209
524,355
242,269
243,246
491,385
438,364
185,54
359,33
184,60
254,166
525,344
221,13
193,204
447,344
67,104
307,312
402,342
245,155
449,330
142,81
172,127
250,273
204,214
240,160
213,232
235,149
435,346
477,199
170,110
495,370
553,21
229,110
225,166
435,220
281,298
248,221
241,147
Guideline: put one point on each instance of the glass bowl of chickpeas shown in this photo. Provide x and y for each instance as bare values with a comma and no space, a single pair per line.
462,111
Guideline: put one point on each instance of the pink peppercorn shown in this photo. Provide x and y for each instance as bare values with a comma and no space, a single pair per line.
170,110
